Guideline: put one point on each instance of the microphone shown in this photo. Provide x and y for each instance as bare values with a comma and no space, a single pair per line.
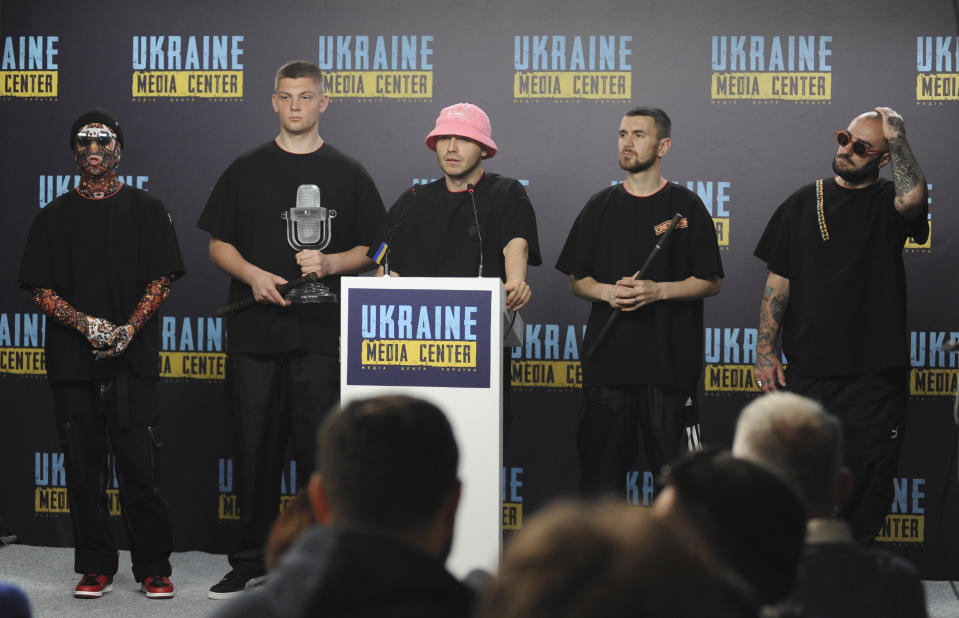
384,252
479,234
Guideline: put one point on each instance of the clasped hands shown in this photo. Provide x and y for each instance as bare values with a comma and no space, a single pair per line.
108,339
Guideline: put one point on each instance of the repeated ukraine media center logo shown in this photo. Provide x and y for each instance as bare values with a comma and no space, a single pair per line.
366,68
29,69
419,338
572,68
187,68
771,68
937,69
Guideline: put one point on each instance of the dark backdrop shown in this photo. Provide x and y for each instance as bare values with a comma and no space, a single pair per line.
755,90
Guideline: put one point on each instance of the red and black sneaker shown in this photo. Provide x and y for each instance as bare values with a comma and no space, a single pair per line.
157,587
93,586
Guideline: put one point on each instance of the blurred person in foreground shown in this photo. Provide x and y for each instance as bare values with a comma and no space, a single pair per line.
386,493
740,515
578,560
796,437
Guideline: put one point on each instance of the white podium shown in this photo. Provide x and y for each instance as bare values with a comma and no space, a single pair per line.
439,339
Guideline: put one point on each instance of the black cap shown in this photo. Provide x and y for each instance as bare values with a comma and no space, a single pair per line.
97,114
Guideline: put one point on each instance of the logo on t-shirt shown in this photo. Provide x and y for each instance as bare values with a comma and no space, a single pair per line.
29,69
771,68
661,228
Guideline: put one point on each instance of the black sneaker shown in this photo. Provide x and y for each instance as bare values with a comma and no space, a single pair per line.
231,585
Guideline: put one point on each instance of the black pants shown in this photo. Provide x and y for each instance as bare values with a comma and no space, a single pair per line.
119,414
614,420
872,410
270,398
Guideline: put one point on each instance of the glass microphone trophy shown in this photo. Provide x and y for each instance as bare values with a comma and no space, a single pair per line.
308,226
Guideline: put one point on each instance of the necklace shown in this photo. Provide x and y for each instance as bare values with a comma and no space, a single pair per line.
820,212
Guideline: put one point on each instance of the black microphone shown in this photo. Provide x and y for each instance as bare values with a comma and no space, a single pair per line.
388,237
479,234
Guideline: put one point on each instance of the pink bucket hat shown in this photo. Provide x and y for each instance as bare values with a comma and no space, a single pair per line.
464,120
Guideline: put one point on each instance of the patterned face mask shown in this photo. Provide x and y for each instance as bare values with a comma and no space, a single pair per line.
96,150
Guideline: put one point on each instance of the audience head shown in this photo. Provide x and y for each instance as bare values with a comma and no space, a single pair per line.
296,517
745,516
583,560
13,601
797,438
389,463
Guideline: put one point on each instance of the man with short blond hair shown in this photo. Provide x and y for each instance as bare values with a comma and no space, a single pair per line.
282,372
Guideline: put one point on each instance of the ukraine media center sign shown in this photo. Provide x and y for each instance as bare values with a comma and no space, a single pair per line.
407,337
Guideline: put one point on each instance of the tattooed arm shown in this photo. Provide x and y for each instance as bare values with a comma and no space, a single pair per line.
769,370
156,292
97,331
911,193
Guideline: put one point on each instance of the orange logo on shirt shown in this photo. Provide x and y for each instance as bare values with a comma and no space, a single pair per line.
661,228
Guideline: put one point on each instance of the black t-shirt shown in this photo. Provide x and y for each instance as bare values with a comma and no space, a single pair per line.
432,233
847,295
245,210
660,344
99,256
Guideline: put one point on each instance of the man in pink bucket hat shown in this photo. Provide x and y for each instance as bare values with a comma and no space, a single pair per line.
468,223
432,231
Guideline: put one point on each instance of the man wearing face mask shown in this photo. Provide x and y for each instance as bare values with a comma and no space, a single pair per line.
98,262
837,290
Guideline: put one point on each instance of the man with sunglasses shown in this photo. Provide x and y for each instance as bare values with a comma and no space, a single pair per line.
837,291
99,261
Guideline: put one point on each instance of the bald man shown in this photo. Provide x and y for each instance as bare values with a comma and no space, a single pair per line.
837,291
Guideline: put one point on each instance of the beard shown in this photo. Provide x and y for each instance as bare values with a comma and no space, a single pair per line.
869,171
638,166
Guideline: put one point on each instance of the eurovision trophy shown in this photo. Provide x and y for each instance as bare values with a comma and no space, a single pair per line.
308,226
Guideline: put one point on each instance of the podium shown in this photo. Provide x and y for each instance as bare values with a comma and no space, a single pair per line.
439,339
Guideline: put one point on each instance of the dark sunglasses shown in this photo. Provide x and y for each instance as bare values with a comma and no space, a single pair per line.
102,138
844,137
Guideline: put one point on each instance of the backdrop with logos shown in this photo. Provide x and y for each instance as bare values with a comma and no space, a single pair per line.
755,90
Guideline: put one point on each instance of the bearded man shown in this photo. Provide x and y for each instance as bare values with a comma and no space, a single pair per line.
639,384
837,291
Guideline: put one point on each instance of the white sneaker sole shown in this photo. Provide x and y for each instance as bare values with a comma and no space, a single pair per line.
219,596
156,595
89,594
